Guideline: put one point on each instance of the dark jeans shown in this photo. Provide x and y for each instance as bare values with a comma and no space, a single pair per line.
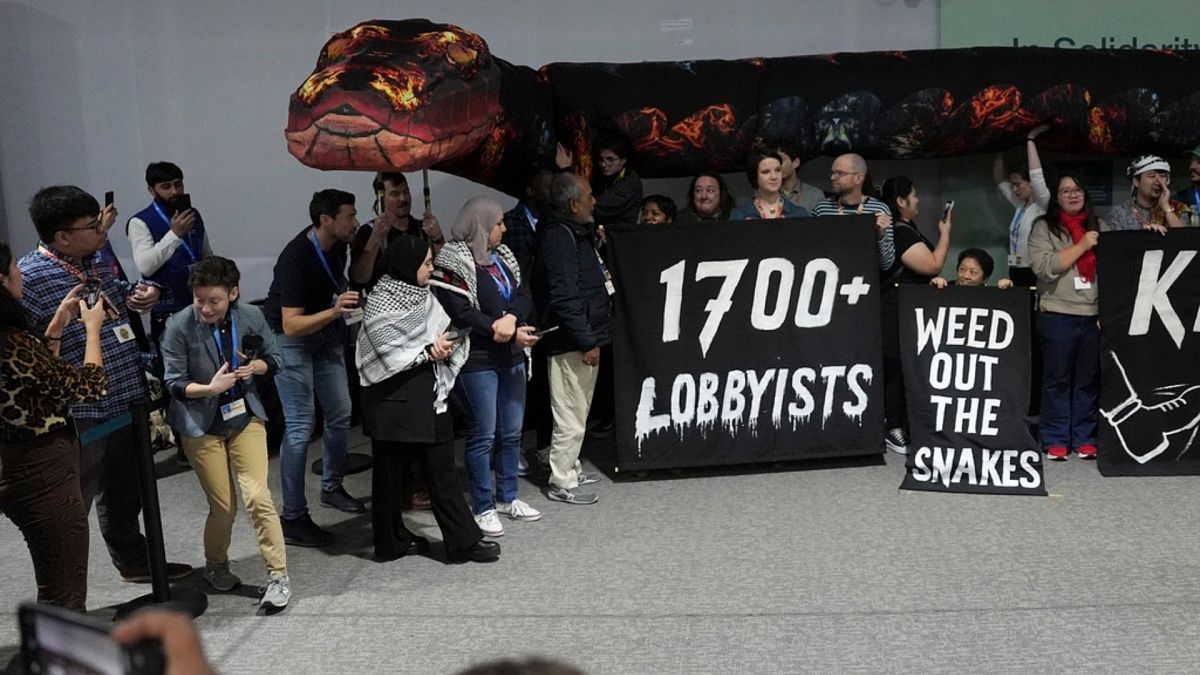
1070,379
109,476
392,538
39,491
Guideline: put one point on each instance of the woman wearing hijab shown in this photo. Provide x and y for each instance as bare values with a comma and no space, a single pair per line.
478,281
408,361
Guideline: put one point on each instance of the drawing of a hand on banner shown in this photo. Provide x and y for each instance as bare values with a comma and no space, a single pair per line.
1147,431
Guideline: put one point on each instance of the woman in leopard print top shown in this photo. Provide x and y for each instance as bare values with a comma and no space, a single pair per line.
39,454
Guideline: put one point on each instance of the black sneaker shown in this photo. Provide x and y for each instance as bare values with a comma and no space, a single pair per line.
141,575
303,531
341,500
897,441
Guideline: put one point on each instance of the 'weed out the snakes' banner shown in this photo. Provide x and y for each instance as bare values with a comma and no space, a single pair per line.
746,342
966,376
1150,356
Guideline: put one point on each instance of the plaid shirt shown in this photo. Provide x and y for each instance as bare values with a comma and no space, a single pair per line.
46,283
520,236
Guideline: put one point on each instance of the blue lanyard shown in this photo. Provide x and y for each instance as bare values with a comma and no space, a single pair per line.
532,221
233,341
1196,198
183,241
1014,236
312,237
505,286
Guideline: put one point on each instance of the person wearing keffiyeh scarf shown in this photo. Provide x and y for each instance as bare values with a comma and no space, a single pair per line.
1061,253
479,282
408,360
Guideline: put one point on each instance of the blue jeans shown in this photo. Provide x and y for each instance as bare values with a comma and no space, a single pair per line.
1070,379
496,399
303,371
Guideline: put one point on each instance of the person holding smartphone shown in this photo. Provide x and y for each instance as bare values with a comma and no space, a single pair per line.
39,452
478,280
210,369
408,358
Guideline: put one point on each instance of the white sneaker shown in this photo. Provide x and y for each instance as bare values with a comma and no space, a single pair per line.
519,510
489,524
277,593
220,577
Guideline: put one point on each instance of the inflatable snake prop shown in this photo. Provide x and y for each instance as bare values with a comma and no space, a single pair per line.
408,95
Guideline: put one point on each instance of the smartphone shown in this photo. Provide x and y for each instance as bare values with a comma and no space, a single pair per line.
456,334
56,640
108,198
93,292
540,333
185,202
947,209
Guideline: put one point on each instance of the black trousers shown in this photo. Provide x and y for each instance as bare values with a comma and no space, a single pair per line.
436,460
39,491
109,478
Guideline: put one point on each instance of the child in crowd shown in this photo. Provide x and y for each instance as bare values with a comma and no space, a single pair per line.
974,269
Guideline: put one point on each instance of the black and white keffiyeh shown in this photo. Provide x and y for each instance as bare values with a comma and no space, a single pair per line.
399,321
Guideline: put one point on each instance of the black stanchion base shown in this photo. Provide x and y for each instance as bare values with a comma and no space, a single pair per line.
190,601
356,462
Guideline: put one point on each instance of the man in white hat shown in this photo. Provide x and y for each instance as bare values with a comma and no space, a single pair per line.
1190,195
1151,206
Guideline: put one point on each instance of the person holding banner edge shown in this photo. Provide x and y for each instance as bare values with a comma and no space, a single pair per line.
1061,253
917,261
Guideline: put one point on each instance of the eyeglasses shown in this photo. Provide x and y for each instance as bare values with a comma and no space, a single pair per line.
609,159
93,226
841,174
1070,191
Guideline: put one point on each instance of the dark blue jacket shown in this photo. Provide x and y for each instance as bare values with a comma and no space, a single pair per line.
569,287
173,275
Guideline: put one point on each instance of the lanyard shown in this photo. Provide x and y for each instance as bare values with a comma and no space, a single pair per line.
1014,231
534,221
312,237
183,241
1196,198
233,341
500,277
71,269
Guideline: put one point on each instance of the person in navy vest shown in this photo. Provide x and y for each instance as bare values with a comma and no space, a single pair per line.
167,240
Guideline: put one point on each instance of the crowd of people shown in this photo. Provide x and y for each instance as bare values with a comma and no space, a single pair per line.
502,318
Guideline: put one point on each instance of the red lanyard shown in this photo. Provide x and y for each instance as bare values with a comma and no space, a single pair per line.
71,269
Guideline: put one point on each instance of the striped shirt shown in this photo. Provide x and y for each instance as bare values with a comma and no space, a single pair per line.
46,283
870,205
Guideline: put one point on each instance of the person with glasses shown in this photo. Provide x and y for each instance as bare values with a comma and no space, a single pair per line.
73,230
1061,253
847,178
1149,206
1025,188
617,187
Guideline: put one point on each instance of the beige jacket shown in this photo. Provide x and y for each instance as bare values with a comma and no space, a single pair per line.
1056,286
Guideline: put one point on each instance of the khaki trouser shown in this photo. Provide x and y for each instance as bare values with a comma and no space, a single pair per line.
246,451
571,386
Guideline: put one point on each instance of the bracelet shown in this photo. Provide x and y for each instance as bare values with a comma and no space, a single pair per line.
1028,139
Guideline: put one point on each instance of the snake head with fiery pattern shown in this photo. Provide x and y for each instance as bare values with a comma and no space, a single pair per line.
395,96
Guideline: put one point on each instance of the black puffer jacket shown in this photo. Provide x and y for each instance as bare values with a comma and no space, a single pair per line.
569,287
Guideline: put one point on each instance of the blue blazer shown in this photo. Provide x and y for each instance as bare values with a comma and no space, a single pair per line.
189,355
748,212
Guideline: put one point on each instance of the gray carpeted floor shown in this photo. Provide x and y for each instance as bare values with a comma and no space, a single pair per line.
830,570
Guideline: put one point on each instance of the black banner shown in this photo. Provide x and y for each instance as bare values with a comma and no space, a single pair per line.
966,377
746,342
1150,357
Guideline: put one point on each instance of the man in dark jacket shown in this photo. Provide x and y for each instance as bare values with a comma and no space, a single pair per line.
572,290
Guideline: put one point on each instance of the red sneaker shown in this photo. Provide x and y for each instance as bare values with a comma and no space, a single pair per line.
1058,453
1086,451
